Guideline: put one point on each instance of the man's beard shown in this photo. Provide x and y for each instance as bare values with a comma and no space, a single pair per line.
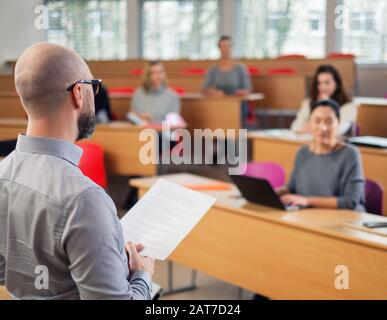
86,125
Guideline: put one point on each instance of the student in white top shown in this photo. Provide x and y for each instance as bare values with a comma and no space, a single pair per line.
326,84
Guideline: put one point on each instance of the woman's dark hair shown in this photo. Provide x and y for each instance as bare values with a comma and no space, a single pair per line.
339,95
327,103
224,38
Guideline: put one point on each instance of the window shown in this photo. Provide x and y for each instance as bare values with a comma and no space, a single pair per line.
363,30
180,29
96,29
317,22
267,29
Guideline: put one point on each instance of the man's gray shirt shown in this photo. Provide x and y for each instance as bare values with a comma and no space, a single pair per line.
60,237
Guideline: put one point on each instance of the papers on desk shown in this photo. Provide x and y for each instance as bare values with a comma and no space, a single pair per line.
163,217
369,141
359,226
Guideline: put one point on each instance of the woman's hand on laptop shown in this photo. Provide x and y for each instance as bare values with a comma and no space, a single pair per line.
295,200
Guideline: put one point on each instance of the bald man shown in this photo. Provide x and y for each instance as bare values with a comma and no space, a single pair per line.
60,237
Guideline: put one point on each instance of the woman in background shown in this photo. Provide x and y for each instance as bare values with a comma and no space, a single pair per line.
227,77
328,173
326,84
102,106
153,101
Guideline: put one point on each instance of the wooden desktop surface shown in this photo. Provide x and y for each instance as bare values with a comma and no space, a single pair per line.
283,255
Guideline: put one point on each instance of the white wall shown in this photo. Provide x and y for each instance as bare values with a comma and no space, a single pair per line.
17,30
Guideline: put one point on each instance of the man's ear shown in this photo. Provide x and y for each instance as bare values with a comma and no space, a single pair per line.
77,97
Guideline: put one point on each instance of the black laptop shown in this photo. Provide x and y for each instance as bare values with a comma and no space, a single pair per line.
369,141
260,191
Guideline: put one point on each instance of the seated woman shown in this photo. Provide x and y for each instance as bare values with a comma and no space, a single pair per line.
327,173
153,101
326,84
227,77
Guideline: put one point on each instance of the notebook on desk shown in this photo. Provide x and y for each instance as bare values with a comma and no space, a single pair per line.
369,141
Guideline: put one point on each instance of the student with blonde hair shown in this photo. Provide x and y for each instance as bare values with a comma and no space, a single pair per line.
154,100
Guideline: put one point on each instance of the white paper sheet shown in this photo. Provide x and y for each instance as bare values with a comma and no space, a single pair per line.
163,217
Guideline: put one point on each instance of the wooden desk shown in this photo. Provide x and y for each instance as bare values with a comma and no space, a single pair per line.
10,106
283,151
4,294
120,141
7,83
198,111
283,255
215,113
372,116
281,92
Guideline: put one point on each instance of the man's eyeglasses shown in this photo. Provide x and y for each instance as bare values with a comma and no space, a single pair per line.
96,83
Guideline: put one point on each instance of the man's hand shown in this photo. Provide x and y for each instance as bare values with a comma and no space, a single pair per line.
137,262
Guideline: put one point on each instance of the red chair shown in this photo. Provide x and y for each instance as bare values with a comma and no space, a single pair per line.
92,163
339,55
374,197
193,72
121,91
179,90
282,72
271,171
254,71
291,56
137,72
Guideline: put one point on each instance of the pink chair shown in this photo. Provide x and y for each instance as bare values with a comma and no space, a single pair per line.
374,197
271,171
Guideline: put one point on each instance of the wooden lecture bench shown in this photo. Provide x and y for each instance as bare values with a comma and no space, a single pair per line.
198,111
178,68
120,141
282,91
279,254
